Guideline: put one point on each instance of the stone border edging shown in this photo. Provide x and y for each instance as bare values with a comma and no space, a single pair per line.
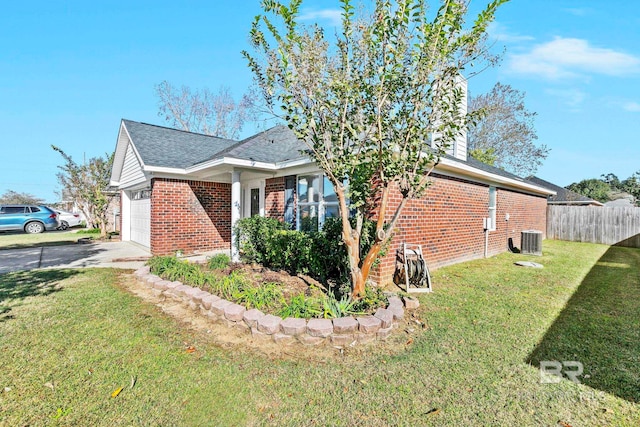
343,331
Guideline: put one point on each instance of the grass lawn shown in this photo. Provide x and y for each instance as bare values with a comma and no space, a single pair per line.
69,338
15,240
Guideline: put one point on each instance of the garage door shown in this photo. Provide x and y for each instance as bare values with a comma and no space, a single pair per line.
141,222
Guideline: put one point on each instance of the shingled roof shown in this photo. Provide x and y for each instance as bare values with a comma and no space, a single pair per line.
166,147
563,196
275,145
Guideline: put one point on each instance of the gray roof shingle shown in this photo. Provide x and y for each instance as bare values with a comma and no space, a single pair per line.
275,145
562,194
166,147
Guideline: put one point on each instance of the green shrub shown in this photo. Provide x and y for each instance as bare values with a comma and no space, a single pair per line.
219,262
321,254
254,235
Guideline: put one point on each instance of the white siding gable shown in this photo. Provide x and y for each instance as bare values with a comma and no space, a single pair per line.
132,172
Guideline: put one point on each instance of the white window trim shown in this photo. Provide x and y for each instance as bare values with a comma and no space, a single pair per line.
321,204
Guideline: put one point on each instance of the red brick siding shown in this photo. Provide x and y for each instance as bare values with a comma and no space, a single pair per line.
274,198
190,216
447,222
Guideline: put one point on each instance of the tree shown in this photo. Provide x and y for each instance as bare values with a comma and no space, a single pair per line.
631,186
368,106
203,111
87,186
612,180
13,197
505,131
593,188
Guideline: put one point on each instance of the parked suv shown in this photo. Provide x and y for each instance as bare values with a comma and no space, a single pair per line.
30,218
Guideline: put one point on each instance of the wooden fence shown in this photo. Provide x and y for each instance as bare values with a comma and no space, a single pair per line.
609,225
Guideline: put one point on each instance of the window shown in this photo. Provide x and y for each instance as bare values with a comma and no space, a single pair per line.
13,210
289,202
255,201
317,201
141,194
34,209
492,208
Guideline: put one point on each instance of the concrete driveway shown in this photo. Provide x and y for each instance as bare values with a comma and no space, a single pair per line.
99,254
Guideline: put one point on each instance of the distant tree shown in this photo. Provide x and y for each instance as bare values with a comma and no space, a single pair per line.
87,186
13,197
593,188
504,134
631,185
487,156
612,180
203,111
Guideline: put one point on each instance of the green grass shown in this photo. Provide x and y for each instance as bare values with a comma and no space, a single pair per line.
14,240
488,324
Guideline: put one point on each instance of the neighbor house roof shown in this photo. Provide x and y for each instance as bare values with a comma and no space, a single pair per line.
564,196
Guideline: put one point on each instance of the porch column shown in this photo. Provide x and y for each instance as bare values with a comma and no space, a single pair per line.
235,212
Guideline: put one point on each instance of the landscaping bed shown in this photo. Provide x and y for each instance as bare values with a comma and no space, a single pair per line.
275,292
339,331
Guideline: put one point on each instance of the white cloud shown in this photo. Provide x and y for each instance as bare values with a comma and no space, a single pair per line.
631,106
501,33
569,57
572,98
334,16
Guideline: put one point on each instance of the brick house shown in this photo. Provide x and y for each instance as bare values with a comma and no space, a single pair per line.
183,191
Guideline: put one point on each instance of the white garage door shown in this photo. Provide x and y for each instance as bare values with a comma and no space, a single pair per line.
141,222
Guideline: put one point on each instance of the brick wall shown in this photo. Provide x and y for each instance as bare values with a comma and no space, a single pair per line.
190,216
274,198
447,222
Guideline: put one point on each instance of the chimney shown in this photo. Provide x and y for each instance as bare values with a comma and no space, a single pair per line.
458,147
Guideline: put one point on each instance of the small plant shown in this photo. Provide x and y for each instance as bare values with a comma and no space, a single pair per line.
219,262
90,231
334,308
302,307
260,297
159,265
229,287
372,299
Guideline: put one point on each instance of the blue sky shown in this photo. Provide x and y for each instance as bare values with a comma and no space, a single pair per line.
69,71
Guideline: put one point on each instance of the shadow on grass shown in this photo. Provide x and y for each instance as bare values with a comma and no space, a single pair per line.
599,327
15,287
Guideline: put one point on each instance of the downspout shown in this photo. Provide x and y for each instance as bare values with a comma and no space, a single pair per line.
485,224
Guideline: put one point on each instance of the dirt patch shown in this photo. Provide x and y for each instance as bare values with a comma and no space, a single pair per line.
290,285
241,340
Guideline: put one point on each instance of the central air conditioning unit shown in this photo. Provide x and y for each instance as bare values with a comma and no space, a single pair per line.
531,242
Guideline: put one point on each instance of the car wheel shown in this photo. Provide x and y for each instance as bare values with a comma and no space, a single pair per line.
34,228
63,225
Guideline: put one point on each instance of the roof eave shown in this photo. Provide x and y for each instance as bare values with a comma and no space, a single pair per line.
470,171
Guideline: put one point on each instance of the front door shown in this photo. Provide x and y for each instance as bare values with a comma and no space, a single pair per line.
253,198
